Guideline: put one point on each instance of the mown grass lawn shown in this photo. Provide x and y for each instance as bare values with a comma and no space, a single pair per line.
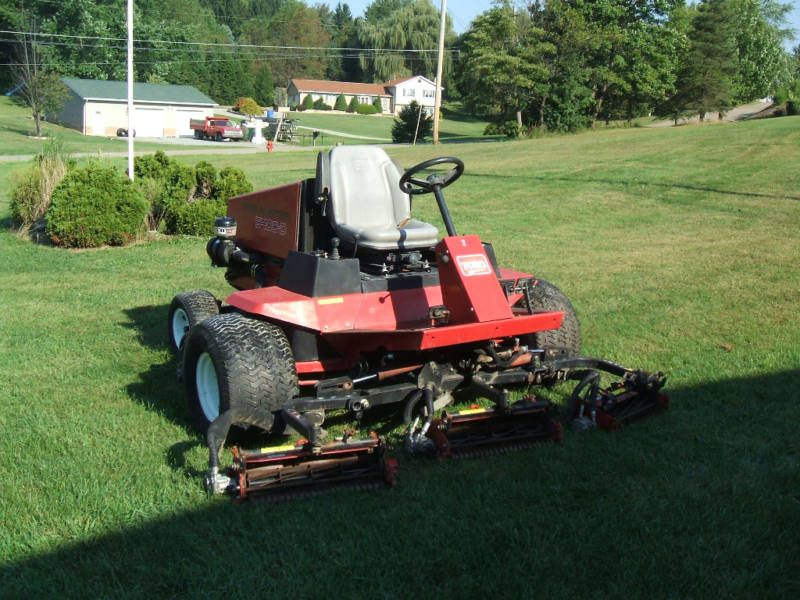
679,248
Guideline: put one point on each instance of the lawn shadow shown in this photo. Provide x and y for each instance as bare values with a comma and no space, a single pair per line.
157,388
221,549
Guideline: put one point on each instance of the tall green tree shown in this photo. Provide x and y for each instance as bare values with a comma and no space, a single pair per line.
409,32
763,63
707,77
263,87
502,70
341,26
293,25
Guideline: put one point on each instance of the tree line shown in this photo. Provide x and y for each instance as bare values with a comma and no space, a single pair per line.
553,64
225,48
565,64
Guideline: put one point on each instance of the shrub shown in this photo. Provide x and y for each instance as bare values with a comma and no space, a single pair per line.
307,103
377,104
231,182
319,104
247,106
205,175
366,109
32,190
354,104
179,187
341,103
95,206
197,218
409,121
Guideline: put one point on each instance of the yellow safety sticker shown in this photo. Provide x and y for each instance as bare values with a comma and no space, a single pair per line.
472,411
278,448
324,301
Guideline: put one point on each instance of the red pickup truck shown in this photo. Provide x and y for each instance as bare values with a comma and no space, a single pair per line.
215,128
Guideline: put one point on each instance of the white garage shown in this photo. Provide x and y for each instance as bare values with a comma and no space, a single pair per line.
97,107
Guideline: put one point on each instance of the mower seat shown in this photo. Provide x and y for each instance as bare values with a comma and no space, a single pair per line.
367,208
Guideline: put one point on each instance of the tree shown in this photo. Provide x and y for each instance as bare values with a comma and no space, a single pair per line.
412,124
708,75
263,88
292,24
501,71
41,89
341,103
341,26
409,29
763,64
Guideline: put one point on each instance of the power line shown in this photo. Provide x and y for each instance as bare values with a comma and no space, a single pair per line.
216,44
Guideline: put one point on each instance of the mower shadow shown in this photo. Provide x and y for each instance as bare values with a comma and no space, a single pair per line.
636,183
157,388
490,506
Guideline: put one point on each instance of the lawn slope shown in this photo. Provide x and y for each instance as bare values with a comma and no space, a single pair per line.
678,248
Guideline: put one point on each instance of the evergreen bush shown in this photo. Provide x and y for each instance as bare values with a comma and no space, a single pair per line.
307,103
354,104
319,104
377,104
341,103
95,206
409,121
366,109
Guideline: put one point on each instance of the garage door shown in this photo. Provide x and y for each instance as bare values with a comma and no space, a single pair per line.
182,118
149,122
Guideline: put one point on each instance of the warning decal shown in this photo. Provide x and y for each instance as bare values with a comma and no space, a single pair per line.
473,264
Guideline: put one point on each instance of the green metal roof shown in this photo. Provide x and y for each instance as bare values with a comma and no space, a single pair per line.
95,89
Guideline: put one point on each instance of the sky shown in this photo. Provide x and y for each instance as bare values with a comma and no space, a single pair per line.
463,11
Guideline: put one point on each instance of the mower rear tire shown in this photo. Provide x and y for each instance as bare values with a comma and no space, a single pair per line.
233,362
545,296
187,310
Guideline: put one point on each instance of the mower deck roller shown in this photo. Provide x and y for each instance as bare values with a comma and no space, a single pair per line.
299,470
345,302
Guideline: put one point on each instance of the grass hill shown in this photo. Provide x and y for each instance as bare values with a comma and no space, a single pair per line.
678,248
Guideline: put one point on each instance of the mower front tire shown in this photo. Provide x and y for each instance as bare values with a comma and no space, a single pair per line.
234,362
187,310
547,297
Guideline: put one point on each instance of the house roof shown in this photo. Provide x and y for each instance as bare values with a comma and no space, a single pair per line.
396,82
95,89
339,87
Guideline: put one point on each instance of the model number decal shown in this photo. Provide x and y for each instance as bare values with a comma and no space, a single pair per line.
271,225
473,264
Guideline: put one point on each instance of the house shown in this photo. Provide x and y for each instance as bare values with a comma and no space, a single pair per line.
394,95
407,90
96,107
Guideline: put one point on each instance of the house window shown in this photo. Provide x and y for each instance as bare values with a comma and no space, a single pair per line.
428,93
365,100
410,92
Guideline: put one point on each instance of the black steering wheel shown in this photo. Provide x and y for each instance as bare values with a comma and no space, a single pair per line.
411,185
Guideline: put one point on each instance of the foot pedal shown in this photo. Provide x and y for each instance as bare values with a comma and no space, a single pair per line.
482,431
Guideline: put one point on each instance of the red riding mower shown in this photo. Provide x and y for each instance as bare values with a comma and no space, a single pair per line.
346,303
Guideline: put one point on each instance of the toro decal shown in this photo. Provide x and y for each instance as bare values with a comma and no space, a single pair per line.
473,264
271,225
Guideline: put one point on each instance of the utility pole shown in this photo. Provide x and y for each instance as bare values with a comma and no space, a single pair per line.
130,90
437,103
